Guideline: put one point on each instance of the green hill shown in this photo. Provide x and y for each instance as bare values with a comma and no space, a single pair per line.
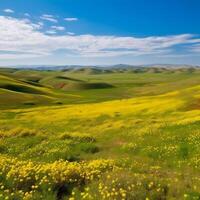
126,135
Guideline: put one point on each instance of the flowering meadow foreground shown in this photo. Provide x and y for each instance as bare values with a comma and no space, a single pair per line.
138,139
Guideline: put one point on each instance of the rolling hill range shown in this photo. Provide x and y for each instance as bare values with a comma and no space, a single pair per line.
25,87
30,87
122,133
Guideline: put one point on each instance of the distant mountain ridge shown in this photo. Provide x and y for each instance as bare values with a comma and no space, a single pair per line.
116,66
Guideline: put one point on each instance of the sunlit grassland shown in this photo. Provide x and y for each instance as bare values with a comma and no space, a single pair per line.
137,140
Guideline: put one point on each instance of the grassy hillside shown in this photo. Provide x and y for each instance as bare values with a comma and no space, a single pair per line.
130,134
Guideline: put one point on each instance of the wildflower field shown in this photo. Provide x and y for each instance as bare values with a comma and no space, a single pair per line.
87,134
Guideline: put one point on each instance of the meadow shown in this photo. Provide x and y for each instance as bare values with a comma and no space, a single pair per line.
113,134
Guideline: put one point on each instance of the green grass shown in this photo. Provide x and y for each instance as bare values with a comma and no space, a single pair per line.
72,87
146,121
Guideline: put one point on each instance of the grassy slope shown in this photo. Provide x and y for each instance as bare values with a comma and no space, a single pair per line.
149,122
15,92
74,87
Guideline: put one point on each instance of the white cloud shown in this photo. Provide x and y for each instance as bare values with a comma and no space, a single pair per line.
51,32
50,18
46,15
70,33
195,48
58,28
8,10
71,19
41,24
27,14
18,56
19,36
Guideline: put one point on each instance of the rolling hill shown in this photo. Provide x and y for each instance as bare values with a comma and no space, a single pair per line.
136,140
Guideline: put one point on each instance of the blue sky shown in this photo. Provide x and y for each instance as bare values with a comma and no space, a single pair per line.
99,32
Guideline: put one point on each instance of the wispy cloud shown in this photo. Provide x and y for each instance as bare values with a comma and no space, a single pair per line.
195,48
41,24
71,19
50,18
27,14
70,33
58,28
8,10
51,32
47,15
18,35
